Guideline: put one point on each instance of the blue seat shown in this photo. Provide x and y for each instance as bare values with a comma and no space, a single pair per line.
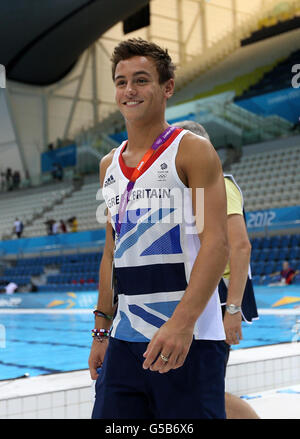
284,253
265,243
294,253
274,241
266,280
270,268
297,279
285,241
263,255
295,241
255,243
275,278
260,268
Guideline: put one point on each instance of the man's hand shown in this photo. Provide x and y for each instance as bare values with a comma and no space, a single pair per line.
171,342
233,328
96,357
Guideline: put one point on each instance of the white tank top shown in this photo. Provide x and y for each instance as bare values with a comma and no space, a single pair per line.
156,248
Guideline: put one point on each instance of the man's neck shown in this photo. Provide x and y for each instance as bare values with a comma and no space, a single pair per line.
141,138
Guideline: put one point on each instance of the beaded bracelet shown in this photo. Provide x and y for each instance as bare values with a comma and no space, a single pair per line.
102,314
100,334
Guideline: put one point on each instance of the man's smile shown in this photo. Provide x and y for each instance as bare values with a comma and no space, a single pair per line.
132,103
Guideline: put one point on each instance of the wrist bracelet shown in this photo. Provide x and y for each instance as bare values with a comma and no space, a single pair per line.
100,334
102,314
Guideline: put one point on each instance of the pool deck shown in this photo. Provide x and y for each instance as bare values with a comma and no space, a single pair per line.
267,377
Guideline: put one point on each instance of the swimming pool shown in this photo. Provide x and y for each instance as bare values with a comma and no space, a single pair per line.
46,341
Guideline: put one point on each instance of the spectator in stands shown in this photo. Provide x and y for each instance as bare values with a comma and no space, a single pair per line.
33,288
54,171
60,172
73,224
49,226
16,180
55,228
287,275
63,227
18,227
11,288
57,172
3,181
8,177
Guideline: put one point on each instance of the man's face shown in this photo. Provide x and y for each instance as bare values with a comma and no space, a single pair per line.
139,95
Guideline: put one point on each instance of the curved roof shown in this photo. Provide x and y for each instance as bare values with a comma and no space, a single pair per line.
42,40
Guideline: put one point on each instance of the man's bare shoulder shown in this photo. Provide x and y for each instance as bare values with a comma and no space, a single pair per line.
192,143
105,162
197,154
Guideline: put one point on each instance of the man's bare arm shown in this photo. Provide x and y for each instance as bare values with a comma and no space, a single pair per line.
105,295
200,168
239,260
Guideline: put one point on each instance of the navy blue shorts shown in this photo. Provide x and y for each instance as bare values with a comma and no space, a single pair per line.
124,390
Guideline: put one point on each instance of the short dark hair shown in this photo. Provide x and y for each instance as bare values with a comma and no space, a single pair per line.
193,126
139,47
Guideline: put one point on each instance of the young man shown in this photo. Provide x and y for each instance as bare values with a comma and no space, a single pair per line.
165,355
235,289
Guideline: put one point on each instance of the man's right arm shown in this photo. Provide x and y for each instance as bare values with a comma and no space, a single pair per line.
105,295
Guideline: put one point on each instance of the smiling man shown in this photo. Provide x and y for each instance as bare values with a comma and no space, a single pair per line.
162,355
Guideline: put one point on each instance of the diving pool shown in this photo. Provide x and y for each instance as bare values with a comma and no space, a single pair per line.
47,341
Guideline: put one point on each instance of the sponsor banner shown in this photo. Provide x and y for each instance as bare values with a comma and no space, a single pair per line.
65,156
273,219
285,103
53,242
61,301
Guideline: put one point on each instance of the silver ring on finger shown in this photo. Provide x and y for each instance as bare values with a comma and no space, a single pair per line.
165,359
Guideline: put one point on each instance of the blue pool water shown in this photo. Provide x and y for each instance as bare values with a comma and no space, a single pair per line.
45,343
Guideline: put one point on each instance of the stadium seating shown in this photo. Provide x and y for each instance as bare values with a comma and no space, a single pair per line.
80,271
82,204
268,255
278,78
29,204
73,272
269,180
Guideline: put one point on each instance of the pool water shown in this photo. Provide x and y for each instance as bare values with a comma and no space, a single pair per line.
45,343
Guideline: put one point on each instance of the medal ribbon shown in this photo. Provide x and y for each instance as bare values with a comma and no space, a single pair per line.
161,139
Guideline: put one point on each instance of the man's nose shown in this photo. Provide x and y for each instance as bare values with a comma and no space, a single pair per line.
130,89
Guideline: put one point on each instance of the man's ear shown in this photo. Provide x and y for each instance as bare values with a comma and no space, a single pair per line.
169,88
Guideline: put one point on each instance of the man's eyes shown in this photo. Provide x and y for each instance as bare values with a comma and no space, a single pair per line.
122,83
141,80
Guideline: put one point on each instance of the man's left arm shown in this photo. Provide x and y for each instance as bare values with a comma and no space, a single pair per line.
239,260
200,167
